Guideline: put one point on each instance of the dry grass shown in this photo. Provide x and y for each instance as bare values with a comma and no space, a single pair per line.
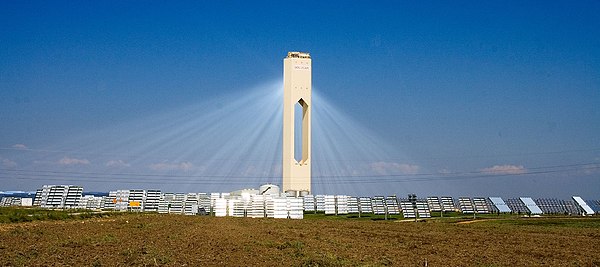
172,240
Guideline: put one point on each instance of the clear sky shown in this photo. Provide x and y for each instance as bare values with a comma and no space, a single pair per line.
468,98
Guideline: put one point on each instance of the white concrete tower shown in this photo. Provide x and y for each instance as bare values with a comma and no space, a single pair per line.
296,91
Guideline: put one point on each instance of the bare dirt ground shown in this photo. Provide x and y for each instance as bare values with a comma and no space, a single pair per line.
174,240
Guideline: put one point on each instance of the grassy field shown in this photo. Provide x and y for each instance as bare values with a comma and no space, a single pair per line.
17,214
175,240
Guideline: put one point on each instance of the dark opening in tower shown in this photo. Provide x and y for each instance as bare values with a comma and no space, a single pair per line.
300,131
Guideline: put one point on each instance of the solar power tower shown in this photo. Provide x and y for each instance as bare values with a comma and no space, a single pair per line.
297,79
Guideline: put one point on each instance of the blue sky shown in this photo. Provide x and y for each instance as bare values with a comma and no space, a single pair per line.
507,88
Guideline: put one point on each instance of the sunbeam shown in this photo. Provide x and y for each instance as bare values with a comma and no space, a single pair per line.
226,143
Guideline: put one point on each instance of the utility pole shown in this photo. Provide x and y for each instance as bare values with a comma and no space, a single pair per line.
385,209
